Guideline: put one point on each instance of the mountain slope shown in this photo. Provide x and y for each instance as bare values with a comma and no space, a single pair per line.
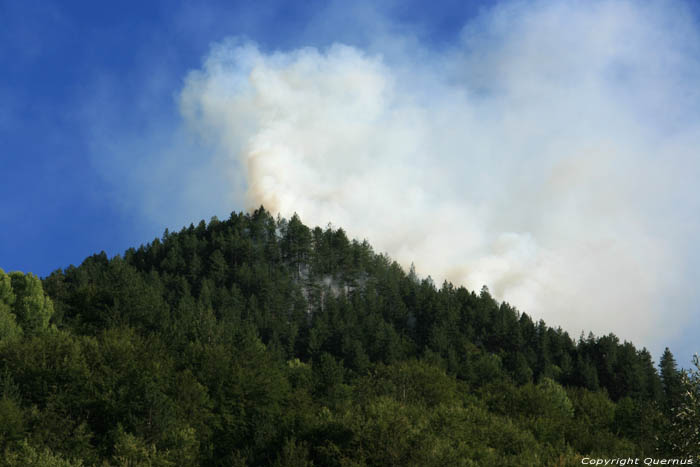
258,341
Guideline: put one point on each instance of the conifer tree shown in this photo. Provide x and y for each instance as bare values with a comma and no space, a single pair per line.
685,422
670,380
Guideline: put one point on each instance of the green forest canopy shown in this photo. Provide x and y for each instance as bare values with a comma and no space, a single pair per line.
260,341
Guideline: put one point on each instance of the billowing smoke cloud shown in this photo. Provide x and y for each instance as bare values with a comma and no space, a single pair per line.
551,154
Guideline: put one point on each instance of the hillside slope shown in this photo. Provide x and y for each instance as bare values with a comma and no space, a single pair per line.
259,341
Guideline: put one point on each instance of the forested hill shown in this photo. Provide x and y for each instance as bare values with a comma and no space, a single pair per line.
260,341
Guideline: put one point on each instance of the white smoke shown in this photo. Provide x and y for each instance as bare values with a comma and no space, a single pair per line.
550,155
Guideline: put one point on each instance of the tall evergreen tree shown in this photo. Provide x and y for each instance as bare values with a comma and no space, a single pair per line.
670,380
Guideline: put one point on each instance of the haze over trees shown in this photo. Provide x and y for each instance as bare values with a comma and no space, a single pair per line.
261,341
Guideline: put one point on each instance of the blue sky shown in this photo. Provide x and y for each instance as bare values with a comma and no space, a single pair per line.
62,63
551,145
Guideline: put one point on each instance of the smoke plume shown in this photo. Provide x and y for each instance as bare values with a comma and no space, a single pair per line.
551,154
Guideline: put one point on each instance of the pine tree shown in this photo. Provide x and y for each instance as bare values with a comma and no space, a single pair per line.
670,380
685,424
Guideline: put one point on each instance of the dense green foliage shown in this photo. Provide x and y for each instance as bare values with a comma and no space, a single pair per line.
259,341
